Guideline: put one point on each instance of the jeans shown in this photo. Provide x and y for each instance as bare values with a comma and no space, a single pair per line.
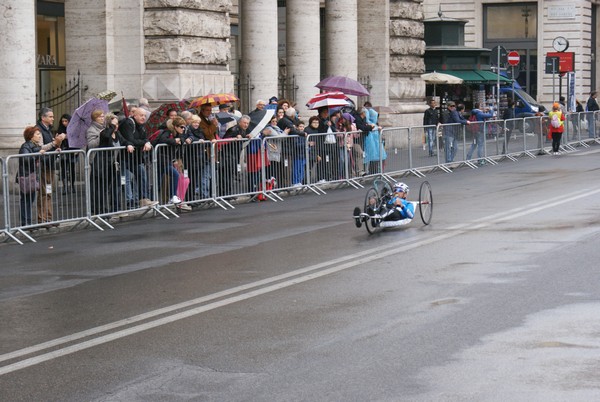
205,176
170,171
430,138
479,138
298,170
136,184
26,201
450,146
592,126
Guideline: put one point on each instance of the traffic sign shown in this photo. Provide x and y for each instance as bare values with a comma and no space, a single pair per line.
552,65
513,58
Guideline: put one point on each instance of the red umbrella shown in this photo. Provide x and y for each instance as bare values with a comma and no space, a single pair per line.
347,85
159,115
327,99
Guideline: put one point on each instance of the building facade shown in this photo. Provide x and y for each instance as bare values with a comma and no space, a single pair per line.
174,49
531,28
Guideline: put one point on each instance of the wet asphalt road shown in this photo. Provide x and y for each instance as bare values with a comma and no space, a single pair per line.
496,300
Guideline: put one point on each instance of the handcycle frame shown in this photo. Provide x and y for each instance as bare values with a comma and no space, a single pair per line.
376,199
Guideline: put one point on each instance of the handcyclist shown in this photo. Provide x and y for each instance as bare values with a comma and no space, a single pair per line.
397,208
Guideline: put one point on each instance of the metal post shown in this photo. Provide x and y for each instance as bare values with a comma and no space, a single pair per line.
553,79
498,84
513,83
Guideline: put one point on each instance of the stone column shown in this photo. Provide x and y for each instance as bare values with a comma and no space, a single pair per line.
303,58
259,60
341,38
18,78
407,48
374,48
89,44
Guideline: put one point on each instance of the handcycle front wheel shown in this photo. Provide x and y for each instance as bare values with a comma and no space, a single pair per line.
372,204
425,202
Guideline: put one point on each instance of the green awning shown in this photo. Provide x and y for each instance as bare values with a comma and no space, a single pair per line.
477,76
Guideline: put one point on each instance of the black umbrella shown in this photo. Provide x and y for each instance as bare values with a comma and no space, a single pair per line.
259,120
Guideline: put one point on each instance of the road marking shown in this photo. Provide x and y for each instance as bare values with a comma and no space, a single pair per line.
259,287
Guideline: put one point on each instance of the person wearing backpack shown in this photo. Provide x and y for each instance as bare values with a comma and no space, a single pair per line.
477,118
556,126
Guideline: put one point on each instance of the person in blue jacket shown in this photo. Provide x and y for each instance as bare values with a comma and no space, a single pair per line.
478,132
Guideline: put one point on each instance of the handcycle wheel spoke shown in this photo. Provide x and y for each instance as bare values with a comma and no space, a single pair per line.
425,202
372,204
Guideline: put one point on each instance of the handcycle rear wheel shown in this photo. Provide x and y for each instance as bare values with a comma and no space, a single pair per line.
372,204
425,202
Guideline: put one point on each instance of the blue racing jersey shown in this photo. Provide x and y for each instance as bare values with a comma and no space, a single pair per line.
406,209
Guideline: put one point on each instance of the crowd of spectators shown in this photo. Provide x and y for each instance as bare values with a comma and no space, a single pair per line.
122,179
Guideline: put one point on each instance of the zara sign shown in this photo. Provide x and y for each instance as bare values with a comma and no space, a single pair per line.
46,60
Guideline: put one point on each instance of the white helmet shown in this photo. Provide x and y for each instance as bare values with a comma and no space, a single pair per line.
401,187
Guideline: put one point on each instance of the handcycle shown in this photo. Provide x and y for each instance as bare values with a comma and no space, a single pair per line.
376,201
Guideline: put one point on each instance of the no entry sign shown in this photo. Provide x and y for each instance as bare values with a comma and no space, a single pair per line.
513,58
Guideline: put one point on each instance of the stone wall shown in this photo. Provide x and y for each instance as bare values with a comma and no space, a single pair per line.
407,47
186,48
159,49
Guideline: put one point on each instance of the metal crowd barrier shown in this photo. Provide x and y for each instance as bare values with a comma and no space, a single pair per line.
45,190
75,186
4,228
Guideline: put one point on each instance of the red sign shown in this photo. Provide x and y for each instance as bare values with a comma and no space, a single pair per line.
513,58
566,61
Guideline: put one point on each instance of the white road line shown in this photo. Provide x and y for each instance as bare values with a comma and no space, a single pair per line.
302,275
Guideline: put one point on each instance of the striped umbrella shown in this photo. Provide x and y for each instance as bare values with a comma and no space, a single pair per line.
328,99
214,99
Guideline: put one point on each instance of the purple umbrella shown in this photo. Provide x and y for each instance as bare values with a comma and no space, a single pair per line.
82,120
343,84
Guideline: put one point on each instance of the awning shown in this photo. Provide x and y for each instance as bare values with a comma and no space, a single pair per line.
477,76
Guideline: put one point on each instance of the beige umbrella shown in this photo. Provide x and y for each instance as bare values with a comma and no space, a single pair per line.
440,78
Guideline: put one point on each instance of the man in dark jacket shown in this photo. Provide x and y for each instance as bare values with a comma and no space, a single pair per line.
138,151
229,159
592,106
431,119
455,121
44,201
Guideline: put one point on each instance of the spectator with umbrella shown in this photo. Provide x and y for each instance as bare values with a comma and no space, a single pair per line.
97,183
255,157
